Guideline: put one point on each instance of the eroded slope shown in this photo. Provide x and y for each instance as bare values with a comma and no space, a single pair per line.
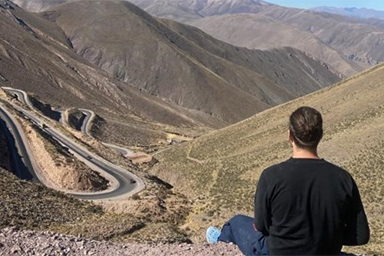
184,65
347,45
35,58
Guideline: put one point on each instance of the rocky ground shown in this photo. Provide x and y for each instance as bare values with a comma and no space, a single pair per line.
59,167
17,242
30,205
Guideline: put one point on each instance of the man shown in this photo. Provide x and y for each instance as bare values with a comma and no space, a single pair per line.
303,206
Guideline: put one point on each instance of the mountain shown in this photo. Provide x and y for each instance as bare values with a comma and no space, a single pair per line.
346,45
222,168
183,65
36,56
362,13
37,5
171,9
185,11
161,77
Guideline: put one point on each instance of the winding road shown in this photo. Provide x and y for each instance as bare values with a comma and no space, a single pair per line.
86,127
20,167
123,183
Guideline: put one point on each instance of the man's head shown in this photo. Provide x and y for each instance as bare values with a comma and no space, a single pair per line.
306,128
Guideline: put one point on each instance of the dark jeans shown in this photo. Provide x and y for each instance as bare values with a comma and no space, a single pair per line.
239,230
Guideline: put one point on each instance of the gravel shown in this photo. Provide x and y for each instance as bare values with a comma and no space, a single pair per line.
18,242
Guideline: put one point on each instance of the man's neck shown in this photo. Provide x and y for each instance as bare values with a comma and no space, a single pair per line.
304,153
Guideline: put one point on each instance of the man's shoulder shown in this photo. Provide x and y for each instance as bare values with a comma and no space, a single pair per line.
338,169
271,170
278,168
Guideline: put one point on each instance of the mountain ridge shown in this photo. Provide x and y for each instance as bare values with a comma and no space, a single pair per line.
347,45
363,13
253,86
50,70
64,69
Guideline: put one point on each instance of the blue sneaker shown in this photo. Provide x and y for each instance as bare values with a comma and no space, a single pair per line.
212,235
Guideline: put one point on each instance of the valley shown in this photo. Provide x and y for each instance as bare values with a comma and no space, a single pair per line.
139,123
346,45
157,195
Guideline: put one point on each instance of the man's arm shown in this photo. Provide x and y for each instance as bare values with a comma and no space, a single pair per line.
262,207
356,227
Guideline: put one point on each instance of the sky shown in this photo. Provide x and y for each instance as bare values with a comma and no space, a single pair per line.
370,4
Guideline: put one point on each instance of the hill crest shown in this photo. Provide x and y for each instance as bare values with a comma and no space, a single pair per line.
347,45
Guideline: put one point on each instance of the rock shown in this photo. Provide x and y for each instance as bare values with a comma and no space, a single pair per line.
17,242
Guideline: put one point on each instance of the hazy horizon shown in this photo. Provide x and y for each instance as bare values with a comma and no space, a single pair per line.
305,4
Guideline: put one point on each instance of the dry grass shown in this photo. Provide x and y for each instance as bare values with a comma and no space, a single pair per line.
37,207
29,205
32,206
220,170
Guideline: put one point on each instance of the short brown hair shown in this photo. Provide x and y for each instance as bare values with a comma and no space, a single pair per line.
306,127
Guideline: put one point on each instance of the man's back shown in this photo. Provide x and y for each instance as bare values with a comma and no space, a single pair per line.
309,206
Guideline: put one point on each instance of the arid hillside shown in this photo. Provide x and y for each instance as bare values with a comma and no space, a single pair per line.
37,5
221,169
255,33
182,76
347,45
185,11
30,206
180,8
183,65
36,56
362,13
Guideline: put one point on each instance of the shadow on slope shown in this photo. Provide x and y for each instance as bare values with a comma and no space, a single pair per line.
183,65
41,64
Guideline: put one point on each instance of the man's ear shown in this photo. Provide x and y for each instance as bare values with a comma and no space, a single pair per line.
290,138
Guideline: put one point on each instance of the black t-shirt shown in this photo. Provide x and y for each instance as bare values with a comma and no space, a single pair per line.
309,207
